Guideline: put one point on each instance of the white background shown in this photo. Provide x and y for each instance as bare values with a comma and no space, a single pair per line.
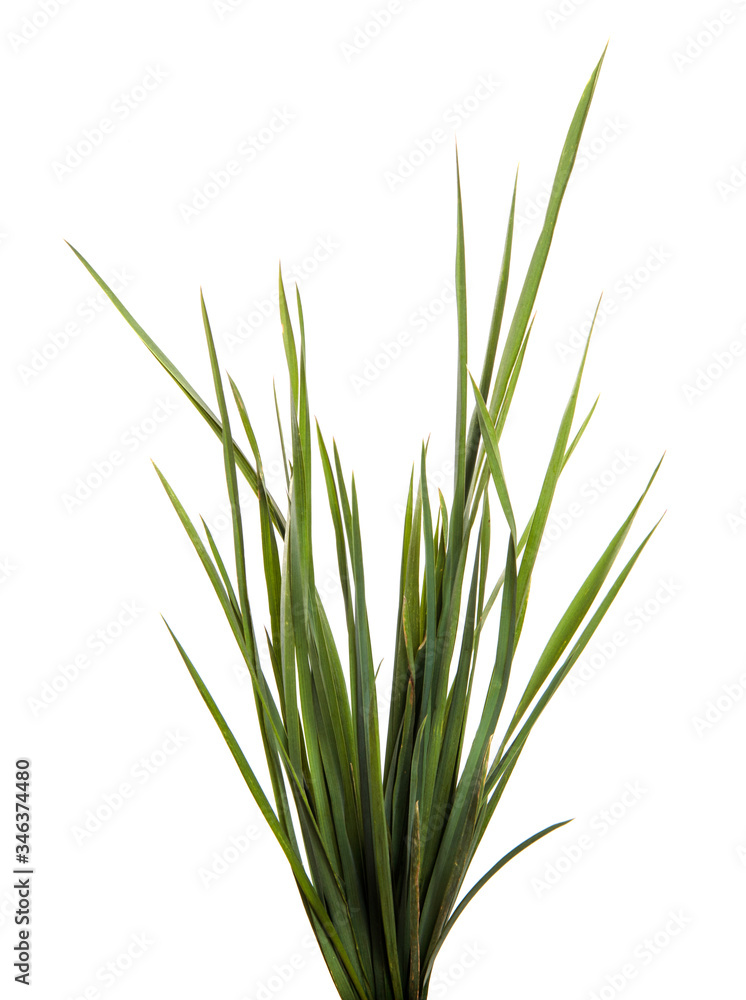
657,196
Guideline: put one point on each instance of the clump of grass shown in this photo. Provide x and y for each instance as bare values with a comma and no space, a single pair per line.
387,838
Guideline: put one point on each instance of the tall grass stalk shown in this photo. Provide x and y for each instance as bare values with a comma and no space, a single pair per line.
380,838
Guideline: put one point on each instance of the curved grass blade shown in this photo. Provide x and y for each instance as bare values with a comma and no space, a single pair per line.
530,287
507,760
522,541
479,885
548,487
229,459
576,612
266,810
191,393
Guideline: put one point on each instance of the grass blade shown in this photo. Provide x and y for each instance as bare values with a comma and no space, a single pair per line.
266,810
495,325
530,288
191,393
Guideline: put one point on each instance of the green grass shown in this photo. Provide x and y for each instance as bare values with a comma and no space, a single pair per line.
380,838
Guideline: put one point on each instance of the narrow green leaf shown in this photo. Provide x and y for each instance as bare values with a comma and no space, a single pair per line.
513,382
494,334
282,438
377,837
507,760
289,342
260,798
524,536
455,540
548,487
430,623
530,287
231,479
489,439
399,677
449,870
270,555
414,907
576,611
200,405
482,882
222,570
